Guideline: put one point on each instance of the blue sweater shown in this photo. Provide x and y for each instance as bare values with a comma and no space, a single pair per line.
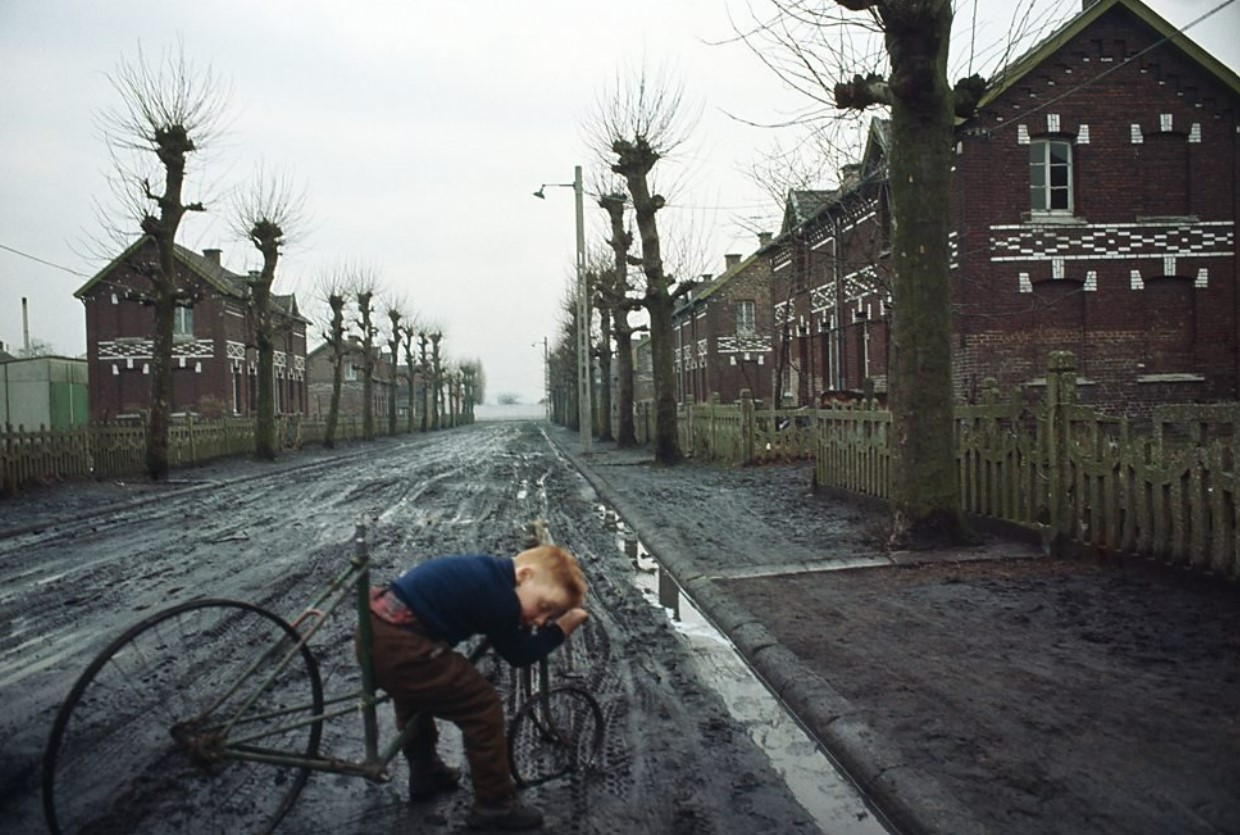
457,597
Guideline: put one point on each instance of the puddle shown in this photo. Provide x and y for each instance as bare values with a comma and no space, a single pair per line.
818,786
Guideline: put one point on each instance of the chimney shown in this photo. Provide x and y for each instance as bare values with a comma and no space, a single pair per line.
731,260
764,238
212,255
850,175
25,326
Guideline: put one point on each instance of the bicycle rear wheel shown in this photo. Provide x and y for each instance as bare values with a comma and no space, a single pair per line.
140,746
553,735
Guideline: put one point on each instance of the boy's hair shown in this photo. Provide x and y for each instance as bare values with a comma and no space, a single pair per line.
562,568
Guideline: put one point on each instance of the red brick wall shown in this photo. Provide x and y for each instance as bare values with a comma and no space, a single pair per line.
118,332
1134,204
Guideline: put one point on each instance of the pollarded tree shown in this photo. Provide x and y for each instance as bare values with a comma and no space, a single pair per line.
638,123
613,293
169,110
267,212
364,285
916,36
395,314
333,289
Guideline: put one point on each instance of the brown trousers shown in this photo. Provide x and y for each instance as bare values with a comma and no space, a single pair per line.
427,680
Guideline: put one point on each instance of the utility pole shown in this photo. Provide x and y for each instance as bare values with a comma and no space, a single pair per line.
585,370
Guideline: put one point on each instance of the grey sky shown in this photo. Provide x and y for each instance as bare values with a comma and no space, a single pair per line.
419,131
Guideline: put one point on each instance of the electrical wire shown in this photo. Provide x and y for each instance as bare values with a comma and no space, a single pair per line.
42,261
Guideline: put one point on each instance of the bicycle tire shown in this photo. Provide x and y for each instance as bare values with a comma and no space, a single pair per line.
123,753
551,737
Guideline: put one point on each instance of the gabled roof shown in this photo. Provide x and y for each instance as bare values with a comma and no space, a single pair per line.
223,281
804,206
1073,27
801,205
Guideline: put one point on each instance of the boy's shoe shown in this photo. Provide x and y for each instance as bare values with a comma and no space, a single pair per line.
426,781
509,814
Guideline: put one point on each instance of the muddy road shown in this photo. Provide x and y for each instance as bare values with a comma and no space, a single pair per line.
675,760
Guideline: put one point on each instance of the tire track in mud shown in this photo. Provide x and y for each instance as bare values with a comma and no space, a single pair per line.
674,761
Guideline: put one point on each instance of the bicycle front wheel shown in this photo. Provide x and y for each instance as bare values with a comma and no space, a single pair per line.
554,734
146,742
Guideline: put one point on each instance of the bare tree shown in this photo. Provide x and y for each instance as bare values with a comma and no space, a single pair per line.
395,314
614,295
407,332
170,110
639,121
817,43
266,212
364,285
334,290
437,378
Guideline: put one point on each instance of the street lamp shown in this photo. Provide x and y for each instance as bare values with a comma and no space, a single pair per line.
584,365
546,379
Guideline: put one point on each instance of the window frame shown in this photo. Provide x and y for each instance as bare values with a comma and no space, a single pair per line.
1047,188
183,322
746,325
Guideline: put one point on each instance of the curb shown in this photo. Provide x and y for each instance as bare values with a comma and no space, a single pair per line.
907,799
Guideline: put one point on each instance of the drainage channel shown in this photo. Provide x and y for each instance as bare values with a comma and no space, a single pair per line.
817,784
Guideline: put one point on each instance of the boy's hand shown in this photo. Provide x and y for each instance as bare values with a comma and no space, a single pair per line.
571,619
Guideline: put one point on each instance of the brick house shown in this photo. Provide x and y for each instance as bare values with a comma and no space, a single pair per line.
722,333
214,361
828,269
319,375
1094,201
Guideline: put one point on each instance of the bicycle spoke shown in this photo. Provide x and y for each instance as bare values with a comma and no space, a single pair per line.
127,752
554,734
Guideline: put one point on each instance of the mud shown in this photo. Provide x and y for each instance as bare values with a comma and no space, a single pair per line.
1031,695
1042,696
82,562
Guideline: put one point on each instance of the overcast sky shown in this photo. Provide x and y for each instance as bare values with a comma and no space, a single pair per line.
418,131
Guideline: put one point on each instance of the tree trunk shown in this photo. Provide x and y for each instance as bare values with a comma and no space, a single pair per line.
636,162
626,437
161,381
336,340
604,367
924,496
265,420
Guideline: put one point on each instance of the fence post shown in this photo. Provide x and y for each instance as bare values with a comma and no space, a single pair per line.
712,435
747,427
1060,395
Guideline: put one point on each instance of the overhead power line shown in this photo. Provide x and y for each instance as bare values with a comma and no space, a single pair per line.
42,261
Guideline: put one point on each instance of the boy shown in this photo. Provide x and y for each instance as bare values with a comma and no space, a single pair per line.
434,606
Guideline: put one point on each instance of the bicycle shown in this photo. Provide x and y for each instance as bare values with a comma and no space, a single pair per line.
197,718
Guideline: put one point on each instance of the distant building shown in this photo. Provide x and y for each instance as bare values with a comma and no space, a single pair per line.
320,372
721,333
214,358
43,392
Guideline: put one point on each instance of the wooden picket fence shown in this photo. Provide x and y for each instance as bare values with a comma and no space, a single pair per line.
118,450
1073,474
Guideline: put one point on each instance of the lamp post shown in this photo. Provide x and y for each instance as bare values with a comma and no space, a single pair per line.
584,365
546,379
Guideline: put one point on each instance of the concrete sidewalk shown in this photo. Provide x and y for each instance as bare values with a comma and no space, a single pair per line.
981,735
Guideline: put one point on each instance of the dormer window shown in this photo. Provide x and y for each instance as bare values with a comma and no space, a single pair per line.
1050,176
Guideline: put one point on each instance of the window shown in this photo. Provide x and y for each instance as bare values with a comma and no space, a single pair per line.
350,372
1050,176
183,321
744,317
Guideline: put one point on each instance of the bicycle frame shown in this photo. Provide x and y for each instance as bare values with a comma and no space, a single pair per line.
374,767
